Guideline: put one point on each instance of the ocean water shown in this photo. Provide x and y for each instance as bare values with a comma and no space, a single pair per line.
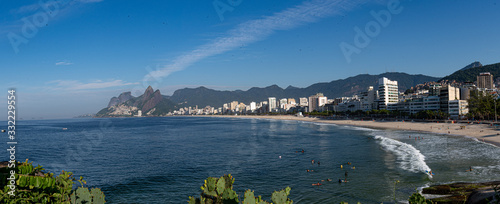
165,160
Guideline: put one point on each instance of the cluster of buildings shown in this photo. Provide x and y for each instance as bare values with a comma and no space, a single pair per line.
446,97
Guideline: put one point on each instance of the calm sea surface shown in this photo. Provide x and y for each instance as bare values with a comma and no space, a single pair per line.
165,160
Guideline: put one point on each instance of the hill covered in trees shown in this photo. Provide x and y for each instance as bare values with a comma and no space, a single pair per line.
470,74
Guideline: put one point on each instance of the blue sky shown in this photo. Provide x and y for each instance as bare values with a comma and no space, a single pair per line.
70,57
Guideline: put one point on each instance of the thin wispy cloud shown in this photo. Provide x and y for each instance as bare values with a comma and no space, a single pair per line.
57,9
63,63
36,6
90,1
256,30
73,85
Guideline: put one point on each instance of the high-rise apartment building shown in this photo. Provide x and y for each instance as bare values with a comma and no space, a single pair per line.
304,101
388,93
485,80
272,104
253,106
316,101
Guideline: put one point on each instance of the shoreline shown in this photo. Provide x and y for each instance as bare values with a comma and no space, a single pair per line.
482,132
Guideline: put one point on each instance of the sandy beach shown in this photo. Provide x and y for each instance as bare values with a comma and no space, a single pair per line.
482,132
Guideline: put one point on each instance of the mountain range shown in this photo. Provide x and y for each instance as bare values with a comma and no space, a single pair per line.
203,96
152,103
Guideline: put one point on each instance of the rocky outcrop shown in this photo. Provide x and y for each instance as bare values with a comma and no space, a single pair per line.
472,193
484,195
123,97
151,103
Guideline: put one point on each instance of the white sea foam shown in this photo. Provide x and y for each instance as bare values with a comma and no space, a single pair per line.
409,158
363,128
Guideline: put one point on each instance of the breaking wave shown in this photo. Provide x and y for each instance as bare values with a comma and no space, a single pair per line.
408,157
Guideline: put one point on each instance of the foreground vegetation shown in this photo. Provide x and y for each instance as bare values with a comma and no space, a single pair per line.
34,186
220,190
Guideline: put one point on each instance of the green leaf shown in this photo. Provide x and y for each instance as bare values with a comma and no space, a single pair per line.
221,185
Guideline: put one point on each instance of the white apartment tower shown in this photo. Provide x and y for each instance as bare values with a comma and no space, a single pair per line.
253,106
283,103
388,92
272,104
304,101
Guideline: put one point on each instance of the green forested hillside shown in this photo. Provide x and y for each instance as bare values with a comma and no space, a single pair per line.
472,73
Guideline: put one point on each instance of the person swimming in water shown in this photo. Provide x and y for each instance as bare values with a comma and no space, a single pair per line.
318,163
312,161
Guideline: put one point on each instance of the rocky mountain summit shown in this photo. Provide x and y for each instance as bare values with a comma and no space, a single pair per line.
151,103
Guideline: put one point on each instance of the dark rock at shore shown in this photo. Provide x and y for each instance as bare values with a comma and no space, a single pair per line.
471,193
480,196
